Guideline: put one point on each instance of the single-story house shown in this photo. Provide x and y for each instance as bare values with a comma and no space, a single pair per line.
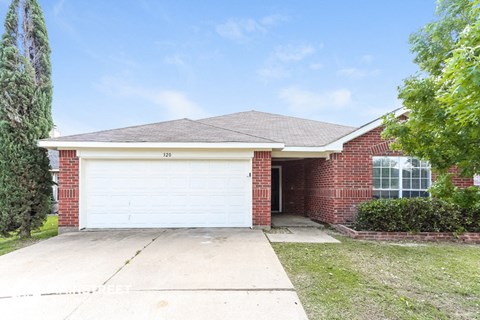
234,170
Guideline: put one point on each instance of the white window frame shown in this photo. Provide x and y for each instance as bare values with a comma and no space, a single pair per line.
401,190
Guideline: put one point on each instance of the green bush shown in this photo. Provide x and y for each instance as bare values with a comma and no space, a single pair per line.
416,215
471,218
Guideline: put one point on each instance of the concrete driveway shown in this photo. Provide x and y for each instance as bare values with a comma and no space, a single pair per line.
148,274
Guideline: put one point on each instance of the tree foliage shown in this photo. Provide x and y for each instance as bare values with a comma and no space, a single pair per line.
443,100
25,117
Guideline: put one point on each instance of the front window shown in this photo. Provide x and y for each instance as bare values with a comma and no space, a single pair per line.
400,177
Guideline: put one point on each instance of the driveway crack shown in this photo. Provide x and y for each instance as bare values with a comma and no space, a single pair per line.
128,261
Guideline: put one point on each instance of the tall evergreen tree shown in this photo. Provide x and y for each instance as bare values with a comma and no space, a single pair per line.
25,117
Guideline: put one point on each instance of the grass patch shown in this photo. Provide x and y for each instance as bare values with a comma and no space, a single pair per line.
379,280
49,229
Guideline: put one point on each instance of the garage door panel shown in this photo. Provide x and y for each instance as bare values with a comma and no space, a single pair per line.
167,193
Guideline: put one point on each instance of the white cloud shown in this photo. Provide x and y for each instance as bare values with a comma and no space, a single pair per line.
356,73
316,66
70,125
58,7
175,103
367,58
293,53
175,60
378,111
273,20
241,30
272,73
305,101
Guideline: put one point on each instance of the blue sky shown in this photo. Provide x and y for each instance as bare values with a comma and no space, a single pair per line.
124,62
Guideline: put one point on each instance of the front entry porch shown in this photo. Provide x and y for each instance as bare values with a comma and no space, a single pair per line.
316,188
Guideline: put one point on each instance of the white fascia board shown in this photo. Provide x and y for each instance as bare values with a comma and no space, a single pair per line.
57,144
164,154
300,154
304,149
338,144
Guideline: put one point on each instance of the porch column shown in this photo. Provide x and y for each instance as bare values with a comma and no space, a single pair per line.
261,188
68,193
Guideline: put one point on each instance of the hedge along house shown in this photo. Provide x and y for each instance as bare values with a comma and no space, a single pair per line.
229,171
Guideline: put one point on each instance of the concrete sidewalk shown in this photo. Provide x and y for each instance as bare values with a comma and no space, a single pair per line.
148,274
301,235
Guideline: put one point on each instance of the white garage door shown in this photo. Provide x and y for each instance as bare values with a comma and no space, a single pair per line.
166,193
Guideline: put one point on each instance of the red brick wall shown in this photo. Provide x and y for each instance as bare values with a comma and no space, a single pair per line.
261,184
353,173
68,189
293,186
457,179
335,187
319,189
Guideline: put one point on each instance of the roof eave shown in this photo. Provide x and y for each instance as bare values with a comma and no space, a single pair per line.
337,145
63,145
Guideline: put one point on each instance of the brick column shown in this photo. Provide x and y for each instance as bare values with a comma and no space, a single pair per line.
68,191
261,188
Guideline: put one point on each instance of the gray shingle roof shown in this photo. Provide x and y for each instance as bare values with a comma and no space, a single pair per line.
294,132
247,127
183,130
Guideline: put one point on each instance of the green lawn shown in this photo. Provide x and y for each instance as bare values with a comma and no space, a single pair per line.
49,229
379,280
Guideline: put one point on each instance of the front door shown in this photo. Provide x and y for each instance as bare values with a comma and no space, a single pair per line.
276,190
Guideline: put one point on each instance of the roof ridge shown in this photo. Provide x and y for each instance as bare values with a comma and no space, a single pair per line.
299,118
246,134
281,115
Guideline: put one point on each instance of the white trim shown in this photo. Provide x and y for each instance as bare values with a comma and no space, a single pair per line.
300,154
280,200
160,154
338,144
400,188
304,149
82,216
57,144
250,194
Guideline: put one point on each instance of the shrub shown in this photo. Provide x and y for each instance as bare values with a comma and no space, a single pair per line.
416,215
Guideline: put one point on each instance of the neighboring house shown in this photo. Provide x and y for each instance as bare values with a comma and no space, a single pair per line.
229,171
54,169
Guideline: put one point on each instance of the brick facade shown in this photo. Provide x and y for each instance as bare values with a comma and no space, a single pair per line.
457,179
261,188
68,193
327,190
293,185
68,185
337,185
334,187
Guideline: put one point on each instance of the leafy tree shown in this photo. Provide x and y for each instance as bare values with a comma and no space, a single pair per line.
443,100
25,117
